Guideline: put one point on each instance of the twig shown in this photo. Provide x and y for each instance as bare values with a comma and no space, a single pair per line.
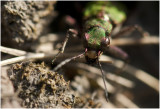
12,60
133,41
23,55
13,51
22,58
28,56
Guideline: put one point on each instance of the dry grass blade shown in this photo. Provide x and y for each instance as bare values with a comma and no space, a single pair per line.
23,55
125,101
133,41
137,73
12,51
28,56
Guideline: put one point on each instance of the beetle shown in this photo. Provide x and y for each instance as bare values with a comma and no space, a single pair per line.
103,20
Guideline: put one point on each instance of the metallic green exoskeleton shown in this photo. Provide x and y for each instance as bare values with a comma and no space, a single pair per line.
115,11
101,17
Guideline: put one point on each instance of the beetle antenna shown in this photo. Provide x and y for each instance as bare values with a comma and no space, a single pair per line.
67,61
104,81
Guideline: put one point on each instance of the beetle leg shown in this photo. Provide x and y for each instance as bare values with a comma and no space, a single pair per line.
129,30
67,61
119,53
71,32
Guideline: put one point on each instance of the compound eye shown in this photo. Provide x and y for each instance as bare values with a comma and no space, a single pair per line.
105,42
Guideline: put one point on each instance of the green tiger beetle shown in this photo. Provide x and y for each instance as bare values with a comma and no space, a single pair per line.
102,20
